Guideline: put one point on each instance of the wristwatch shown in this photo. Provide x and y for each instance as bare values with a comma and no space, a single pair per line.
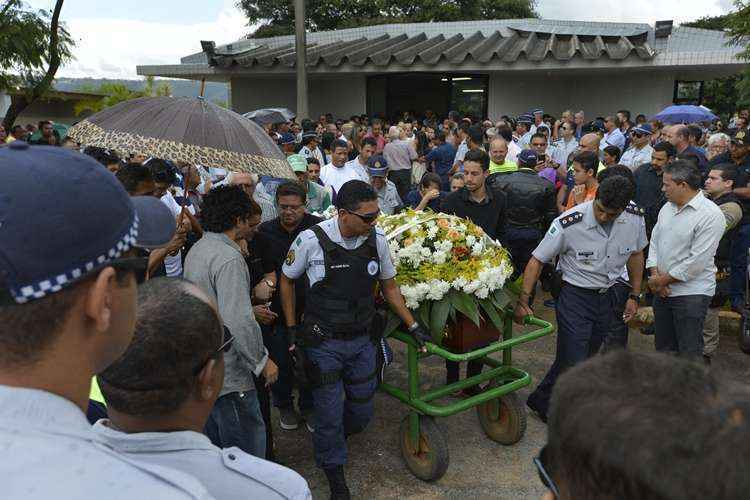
270,284
635,297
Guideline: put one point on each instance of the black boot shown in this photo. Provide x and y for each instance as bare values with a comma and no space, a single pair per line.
337,483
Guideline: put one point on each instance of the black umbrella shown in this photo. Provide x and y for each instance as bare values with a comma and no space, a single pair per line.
270,116
188,129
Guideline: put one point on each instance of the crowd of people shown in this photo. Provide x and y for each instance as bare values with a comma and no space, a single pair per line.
174,305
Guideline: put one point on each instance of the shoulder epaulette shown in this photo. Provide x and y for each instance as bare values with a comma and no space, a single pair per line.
634,209
570,219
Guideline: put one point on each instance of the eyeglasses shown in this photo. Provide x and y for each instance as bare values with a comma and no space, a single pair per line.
226,345
542,465
366,218
638,134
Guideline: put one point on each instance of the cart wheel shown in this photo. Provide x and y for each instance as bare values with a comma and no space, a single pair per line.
430,460
503,419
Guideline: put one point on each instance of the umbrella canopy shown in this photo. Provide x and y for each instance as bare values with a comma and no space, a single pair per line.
187,129
685,114
269,116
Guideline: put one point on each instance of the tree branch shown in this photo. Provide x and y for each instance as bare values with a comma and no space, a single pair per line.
54,54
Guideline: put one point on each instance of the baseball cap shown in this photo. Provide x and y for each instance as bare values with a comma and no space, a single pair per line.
527,158
537,111
740,137
62,215
297,162
598,126
287,138
643,129
377,166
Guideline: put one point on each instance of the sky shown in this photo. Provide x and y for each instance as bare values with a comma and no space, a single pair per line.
113,37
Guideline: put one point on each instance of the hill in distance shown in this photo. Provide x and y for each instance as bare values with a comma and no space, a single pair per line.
215,91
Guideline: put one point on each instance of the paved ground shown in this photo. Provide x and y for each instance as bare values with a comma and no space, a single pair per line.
479,467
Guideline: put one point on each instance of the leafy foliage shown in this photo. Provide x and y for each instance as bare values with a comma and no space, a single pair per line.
322,15
116,93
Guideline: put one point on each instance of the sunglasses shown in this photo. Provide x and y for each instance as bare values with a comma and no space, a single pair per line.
366,218
226,345
542,467
638,134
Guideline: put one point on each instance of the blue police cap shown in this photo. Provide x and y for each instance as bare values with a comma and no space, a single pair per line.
643,129
377,166
63,215
527,158
537,111
529,119
287,138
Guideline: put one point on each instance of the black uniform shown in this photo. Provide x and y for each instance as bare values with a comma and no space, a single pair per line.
531,208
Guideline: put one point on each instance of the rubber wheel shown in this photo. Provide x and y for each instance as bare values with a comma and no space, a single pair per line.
503,419
430,460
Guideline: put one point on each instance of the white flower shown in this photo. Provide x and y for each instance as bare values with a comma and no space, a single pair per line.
470,240
477,248
439,257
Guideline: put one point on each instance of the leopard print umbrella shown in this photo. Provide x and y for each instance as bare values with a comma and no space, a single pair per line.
187,129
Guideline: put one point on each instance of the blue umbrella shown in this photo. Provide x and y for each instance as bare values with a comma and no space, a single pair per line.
685,113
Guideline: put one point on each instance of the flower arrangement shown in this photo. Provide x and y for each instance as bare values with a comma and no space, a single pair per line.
446,265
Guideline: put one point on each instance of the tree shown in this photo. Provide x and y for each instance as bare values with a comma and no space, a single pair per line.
33,45
724,95
115,93
322,15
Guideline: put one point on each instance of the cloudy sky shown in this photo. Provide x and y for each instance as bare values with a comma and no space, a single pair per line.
115,36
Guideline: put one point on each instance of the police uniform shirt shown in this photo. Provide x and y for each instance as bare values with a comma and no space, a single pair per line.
227,473
525,140
388,198
50,451
306,254
561,150
589,258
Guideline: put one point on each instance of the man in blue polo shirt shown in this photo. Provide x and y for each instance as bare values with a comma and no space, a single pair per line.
440,160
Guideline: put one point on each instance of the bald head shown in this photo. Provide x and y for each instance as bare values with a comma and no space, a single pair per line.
590,143
498,150
679,136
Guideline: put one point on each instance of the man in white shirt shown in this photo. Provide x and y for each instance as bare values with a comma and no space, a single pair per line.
336,173
369,145
562,149
640,150
613,136
681,261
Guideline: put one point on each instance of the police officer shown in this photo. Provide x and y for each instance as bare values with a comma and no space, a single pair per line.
531,207
388,199
523,129
343,258
594,241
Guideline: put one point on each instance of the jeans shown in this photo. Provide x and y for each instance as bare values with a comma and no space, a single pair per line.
617,337
738,274
344,407
402,180
278,346
236,420
583,322
678,323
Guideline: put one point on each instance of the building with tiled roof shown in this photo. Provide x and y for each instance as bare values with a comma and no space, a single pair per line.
487,68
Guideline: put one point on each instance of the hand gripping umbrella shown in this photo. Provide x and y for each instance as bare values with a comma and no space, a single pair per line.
187,129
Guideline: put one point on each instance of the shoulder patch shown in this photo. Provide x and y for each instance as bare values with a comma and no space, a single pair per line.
570,219
634,209
290,257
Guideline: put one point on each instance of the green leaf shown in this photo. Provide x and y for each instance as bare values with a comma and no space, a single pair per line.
440,311
391,324
466,305
424,313
501,298
492,313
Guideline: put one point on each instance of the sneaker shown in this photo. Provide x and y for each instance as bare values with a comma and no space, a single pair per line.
337,483
288,419
549,303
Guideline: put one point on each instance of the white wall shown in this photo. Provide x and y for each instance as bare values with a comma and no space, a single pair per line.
597,94
343,95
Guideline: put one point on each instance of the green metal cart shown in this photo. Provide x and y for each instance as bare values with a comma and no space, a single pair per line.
501,413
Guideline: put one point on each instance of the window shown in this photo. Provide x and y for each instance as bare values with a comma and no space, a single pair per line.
686,92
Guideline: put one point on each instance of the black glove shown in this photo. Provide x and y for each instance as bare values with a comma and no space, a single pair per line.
420,335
